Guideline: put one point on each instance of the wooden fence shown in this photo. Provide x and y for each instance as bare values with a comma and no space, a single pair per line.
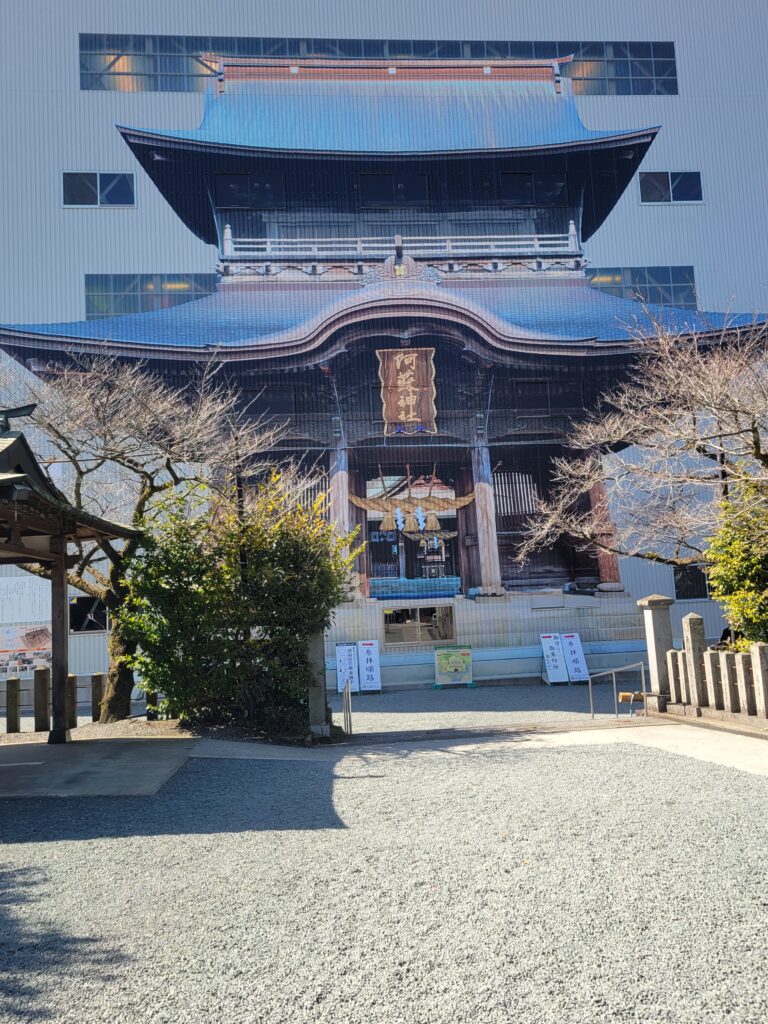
30,697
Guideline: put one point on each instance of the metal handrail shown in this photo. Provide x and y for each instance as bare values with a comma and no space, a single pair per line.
612,672
416,245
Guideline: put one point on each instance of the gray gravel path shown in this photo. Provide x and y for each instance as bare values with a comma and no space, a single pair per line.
483,708
572,885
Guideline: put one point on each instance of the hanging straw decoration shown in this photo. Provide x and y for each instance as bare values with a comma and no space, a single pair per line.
388,524
411,523
433,523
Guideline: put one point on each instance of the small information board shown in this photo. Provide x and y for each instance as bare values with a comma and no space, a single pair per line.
555,668
346,668
453,667
369,666
575,662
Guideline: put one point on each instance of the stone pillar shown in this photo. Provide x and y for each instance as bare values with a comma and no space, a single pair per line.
676,695
694,645
728,681
485,511
712,675
607,563
658,637
759,654
318,698
59,732
744,683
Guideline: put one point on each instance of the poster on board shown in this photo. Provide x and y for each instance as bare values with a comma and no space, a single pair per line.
575,662
453,666
346,668
369,666
555,668
23,648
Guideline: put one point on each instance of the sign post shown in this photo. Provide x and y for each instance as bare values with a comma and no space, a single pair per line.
369,666
347,668
554,668
575,661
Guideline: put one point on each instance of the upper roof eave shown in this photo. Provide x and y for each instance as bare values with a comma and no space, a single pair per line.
186,141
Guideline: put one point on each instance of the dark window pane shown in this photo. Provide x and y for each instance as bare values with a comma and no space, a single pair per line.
663,50
411,189
224,46
654,187
664,68
116,190
550,190
593,50
686,187
449,49
516,189
682,275
274,47
641,68
497,49
619,87
248,47
640,50
545,49
568,48
399,48
617,50
377,190
88,41
666,87
636,277
642,87
351,47
591,87
690,583
80,189
658,275
267,191
523,50
248,191
373,47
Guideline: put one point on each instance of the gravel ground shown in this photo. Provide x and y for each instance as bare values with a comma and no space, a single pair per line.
569,885
485,707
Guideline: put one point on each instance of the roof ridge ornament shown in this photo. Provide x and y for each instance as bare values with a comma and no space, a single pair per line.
6,415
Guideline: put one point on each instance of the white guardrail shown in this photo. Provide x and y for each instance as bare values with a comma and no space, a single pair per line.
415,245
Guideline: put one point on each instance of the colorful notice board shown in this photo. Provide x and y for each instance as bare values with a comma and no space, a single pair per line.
453,667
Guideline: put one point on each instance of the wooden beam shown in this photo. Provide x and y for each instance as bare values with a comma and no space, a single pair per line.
27,554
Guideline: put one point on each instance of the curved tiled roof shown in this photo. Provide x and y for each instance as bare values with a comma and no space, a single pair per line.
273,316
390,117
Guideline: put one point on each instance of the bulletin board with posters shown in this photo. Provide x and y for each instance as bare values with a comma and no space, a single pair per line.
453,667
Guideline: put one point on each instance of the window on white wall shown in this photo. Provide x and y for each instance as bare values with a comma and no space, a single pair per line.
95,188
670,187
690,583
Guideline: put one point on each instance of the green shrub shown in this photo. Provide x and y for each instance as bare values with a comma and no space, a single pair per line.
738,563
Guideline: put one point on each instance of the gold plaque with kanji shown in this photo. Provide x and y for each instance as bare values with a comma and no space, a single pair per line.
407,378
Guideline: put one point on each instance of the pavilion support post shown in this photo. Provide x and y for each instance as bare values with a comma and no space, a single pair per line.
338,489
607,562
42,684
485,511
60,647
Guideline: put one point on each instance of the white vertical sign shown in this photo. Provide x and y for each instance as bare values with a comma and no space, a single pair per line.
369,666
346,668
555,669
575,661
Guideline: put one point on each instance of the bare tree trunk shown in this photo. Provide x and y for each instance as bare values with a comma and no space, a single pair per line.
116,703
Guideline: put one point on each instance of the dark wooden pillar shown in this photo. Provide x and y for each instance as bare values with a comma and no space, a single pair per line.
59,645
607,562
485,510
466,524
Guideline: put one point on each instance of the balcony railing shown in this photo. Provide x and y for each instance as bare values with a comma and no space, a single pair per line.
417,246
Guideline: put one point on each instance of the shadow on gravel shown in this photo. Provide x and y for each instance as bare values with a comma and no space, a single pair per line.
31,956
207,796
